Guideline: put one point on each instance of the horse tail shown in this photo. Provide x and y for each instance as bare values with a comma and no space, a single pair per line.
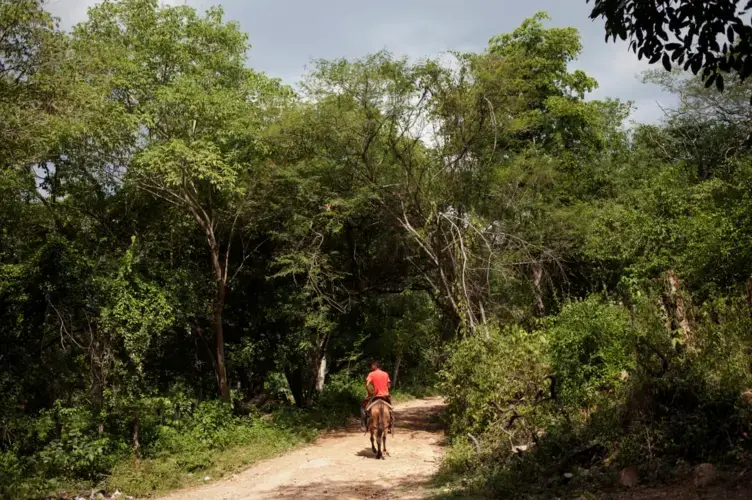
381,419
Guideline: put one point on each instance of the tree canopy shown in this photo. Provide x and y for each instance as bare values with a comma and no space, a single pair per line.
195,256
707,38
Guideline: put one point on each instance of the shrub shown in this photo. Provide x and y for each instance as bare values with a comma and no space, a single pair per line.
591,345
493,367
14,481
675,404
339,401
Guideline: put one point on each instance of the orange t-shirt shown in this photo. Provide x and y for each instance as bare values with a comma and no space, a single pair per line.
380,381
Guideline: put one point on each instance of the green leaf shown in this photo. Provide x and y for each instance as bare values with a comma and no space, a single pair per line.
666,62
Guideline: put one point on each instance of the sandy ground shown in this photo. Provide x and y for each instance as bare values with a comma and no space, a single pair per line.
341,465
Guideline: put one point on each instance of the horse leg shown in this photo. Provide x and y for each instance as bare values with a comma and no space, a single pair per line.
384,439
379,438
373,446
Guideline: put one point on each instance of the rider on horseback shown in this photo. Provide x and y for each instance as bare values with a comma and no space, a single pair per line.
377,386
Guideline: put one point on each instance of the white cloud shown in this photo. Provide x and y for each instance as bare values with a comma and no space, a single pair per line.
70,12
618,72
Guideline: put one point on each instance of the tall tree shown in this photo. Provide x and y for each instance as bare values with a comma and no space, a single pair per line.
188,114
431,148
36,96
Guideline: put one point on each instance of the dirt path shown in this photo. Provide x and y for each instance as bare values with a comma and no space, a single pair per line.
341,465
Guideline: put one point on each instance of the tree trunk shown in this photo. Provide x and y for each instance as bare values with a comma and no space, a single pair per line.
663,306
99,372
450,322
220,275
680,310
321,375
137,436
219,342
307,379
397,363
537,276
294,380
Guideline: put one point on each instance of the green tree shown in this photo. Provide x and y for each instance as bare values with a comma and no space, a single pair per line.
189,112
35,92
707,38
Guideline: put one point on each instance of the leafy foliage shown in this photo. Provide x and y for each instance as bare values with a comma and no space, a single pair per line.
591,348
705,38
197,263
484,373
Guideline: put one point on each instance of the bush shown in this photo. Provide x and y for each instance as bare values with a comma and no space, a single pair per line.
592,346
491,368
342,392
180,442
628,393
239,444
13,478
75,450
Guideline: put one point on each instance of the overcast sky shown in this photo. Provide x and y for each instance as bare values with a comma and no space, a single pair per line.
287,34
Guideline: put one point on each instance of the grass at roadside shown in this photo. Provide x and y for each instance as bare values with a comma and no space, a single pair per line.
208,446
204,443
188,461
277,433
163,473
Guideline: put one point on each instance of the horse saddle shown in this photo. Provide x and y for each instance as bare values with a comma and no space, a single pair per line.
373,402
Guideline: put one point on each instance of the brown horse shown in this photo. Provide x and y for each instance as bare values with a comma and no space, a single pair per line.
379,421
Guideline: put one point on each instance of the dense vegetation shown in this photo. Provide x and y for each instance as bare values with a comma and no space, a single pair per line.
196,259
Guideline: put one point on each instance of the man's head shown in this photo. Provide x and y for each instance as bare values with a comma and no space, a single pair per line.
375,365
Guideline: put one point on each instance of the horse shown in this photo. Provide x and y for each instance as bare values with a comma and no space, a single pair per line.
380,419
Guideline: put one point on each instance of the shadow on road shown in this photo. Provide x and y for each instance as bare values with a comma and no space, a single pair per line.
372,489
423,418
366,453
426,418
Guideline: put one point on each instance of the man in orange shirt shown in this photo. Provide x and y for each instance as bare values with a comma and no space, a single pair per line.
377,386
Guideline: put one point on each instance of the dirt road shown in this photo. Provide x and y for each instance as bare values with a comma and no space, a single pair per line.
341,465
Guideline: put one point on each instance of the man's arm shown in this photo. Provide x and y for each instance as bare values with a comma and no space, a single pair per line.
369,384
